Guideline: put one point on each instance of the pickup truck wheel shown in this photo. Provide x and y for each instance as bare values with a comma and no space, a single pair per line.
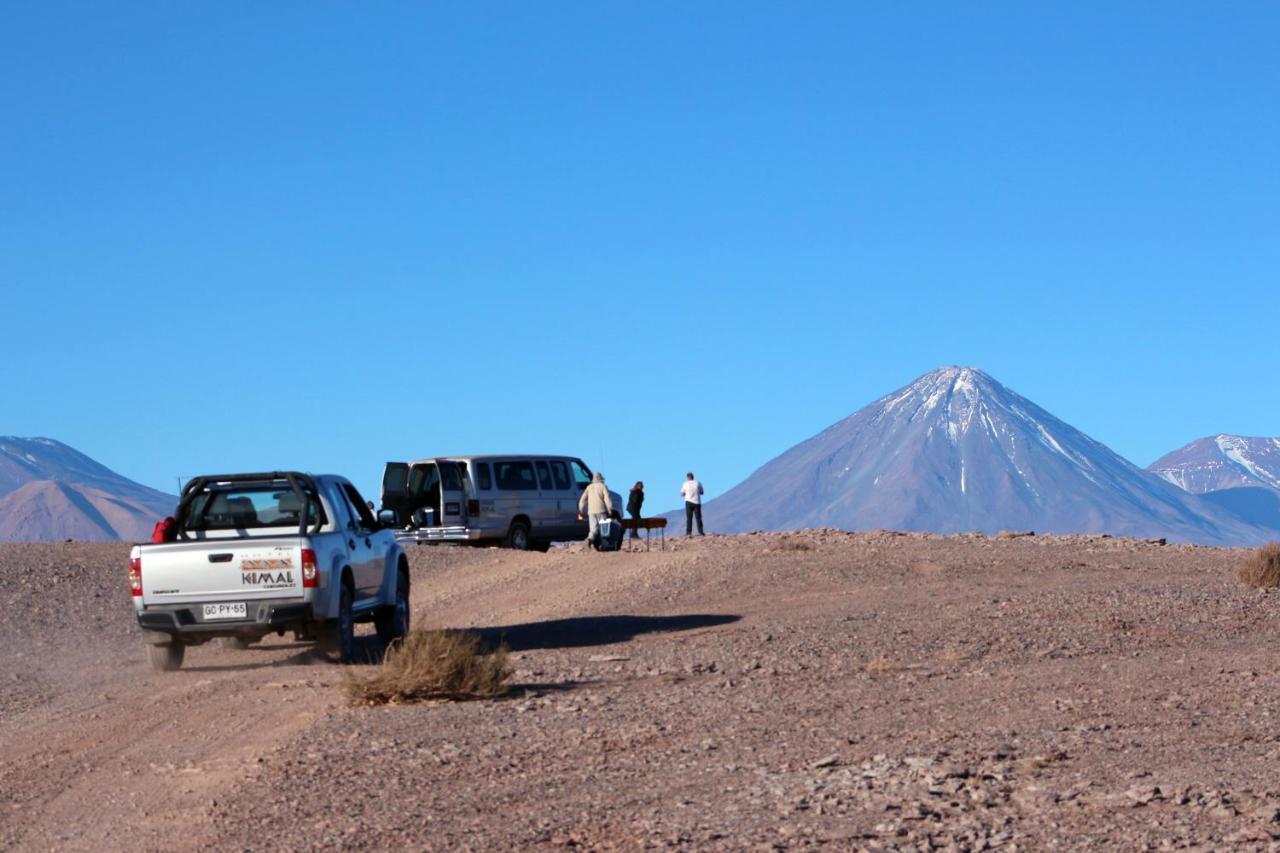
336,638
346,626
166,657
392,622
518,536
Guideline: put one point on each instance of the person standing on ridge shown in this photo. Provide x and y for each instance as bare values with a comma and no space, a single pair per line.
634,501
596,505
691,491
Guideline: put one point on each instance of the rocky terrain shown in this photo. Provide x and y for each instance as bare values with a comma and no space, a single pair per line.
873,690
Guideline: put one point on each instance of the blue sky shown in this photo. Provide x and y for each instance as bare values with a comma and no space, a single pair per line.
659,236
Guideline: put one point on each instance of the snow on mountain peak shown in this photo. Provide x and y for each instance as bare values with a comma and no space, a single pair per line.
1222,461
955,450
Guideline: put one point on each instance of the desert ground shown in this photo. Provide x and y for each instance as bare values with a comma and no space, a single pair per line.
870,690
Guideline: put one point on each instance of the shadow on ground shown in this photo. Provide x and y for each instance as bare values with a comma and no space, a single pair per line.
368,651
594,630
551,634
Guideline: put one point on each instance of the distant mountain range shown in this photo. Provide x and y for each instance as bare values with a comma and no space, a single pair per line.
1222,462
51,492
956,451
1238,473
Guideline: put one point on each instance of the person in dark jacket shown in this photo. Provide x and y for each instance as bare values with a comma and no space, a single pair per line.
634,501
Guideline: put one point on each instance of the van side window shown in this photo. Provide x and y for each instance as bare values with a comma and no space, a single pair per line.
581,476
561,473
483,479
544,476
515,476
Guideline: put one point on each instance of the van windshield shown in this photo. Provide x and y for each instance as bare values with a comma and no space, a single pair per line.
244,507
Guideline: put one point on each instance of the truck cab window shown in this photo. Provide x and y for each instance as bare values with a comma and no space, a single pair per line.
359,509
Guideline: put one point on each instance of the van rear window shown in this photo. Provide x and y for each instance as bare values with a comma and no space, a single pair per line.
515,476
483,479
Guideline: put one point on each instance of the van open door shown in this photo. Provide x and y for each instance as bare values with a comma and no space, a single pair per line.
453,495
395,491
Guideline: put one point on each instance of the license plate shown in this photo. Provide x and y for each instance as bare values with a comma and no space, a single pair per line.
226,611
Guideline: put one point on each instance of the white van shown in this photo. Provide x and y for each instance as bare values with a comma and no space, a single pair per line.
521,501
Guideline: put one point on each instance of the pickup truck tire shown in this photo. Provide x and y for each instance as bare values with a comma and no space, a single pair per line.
518,536
338,635
346,626
392,623
166,657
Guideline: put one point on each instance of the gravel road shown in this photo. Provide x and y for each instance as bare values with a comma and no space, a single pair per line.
873,690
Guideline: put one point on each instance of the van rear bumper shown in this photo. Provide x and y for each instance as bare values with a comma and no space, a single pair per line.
441,534
263,618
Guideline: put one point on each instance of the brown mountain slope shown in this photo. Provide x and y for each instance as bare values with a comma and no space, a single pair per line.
49,511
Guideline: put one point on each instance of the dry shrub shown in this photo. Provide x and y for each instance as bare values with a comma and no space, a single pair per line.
789,544
1262,567
432,665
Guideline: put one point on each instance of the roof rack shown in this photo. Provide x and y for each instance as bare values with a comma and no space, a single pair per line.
296,480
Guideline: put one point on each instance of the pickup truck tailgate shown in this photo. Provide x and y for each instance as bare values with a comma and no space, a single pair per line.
210,570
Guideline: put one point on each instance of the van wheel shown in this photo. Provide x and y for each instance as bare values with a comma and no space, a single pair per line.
166,657
392,622
518,536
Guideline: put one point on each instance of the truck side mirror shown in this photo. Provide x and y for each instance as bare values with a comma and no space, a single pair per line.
387,518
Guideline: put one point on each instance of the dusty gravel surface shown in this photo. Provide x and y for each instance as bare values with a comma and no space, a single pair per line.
864,690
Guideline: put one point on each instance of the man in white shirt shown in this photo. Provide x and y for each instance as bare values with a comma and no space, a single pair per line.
691,491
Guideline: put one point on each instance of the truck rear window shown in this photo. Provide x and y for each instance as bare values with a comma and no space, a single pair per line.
250,506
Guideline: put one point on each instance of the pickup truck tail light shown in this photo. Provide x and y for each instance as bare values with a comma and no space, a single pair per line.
473,507
135,576
310,576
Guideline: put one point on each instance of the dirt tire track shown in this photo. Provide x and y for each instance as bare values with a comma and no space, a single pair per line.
161,748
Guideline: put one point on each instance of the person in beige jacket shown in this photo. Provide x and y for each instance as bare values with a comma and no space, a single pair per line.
595,504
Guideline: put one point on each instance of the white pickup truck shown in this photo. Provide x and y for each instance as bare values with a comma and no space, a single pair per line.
256,554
